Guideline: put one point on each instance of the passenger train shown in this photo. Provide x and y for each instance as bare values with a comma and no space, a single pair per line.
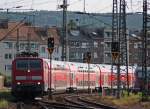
31,75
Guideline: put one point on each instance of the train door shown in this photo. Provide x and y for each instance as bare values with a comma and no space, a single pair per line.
97,79
72,79
106,80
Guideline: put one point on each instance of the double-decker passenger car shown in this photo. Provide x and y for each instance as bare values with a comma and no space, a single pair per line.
33,75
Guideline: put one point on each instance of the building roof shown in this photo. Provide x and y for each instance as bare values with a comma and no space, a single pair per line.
83,34
10,33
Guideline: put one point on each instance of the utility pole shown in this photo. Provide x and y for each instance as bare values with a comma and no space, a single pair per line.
146,24
114,32
119,41
115,46
65,49
123,40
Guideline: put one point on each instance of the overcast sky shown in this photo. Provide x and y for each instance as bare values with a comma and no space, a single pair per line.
97,6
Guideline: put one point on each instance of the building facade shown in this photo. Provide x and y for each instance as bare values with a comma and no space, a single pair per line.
107,45
18,41
80,40
84,40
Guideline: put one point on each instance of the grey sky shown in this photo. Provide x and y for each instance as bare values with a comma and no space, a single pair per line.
98,6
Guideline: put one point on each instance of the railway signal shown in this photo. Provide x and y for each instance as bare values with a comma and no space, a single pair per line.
50,44
115,50
87,58
88,55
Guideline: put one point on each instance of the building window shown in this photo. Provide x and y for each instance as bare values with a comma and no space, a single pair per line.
8,56
102,43
108,55
8,45
95,44
79,55
71,43
36,46
56,59
108,34
148,46
8,67
108,44
32,45
74,44
21,45
84,45
139,45
42,49
135,45
95,55
72,55
77,44
56,50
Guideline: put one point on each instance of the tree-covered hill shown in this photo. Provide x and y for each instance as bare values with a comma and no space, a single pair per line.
54,18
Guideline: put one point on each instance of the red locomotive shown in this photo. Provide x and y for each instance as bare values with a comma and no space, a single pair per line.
31,75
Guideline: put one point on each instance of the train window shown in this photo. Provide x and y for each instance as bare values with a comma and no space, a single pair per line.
22,65
28,64
35,64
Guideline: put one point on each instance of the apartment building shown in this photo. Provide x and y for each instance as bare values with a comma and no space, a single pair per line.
107,45
82,40
21,37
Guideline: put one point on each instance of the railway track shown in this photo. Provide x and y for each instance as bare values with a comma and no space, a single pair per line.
102,106
31,104
20,105
56,105
77,100
62,101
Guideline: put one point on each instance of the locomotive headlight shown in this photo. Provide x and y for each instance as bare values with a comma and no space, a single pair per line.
18,83
39,83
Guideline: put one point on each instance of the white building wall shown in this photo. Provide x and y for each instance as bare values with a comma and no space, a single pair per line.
6,56
6,61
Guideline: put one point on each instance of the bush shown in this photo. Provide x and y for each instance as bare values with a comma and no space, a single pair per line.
127,100
3,104
7,81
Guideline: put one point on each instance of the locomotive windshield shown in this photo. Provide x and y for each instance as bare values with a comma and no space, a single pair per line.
28,64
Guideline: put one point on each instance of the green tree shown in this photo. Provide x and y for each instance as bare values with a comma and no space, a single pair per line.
72,25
